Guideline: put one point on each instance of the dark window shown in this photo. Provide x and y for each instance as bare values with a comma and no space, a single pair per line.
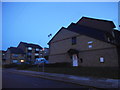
36,51
73,40
81,60
36,57
29,50
28,56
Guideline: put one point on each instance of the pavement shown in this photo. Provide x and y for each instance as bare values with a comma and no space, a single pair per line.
100,83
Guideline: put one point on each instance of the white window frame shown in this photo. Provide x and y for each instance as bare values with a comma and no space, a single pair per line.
37,49
36,54
90,46
29,48
90,42
102,59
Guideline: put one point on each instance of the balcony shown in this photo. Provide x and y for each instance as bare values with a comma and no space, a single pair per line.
36,57
36,54
29,54
36,51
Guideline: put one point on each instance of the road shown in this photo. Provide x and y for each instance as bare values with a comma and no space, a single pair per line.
13,80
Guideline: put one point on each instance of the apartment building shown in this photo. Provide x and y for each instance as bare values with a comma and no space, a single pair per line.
32,51
14,55
88,43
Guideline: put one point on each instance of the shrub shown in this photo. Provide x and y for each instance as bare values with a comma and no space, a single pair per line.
24,66
64,64
10,65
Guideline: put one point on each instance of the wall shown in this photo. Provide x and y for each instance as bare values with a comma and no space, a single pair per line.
90,56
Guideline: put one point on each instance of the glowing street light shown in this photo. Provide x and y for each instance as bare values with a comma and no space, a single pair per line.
22,61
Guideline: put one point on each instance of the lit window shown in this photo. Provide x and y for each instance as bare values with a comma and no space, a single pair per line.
29,48
15,55
102,59
14,61
90,42
45,52
36,54
21,60
73,40
90,46
37,49
41,50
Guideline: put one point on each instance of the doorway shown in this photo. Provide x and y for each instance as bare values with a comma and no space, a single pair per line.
75,60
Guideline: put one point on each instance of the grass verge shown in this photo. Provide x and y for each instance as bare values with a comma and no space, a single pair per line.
81,71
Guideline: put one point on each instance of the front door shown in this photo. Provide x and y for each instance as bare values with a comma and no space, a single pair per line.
75,60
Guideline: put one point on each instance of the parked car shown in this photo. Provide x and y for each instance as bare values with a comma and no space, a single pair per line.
41,60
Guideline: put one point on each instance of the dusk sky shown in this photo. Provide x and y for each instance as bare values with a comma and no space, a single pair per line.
33,22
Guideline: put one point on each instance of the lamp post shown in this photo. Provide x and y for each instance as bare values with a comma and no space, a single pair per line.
43,57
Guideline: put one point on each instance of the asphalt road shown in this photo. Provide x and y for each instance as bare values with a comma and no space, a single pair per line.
12,80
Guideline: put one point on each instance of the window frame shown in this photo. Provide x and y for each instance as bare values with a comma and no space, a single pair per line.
37,49
90,44
29,48
101,59
36,54
74,40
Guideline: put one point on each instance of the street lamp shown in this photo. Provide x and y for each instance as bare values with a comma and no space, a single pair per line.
43,57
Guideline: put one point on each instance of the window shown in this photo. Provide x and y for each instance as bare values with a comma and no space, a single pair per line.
73,40
102,60
37,49
36,54
29,48
14,61
81,60
29,53
45,52
41,50
90,44
15,55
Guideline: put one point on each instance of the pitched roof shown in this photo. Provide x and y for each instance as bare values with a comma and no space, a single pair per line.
94,32
31,45
86,31
85,20
3,51
56,35
16,50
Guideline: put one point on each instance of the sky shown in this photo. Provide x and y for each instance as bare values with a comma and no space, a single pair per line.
32,22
